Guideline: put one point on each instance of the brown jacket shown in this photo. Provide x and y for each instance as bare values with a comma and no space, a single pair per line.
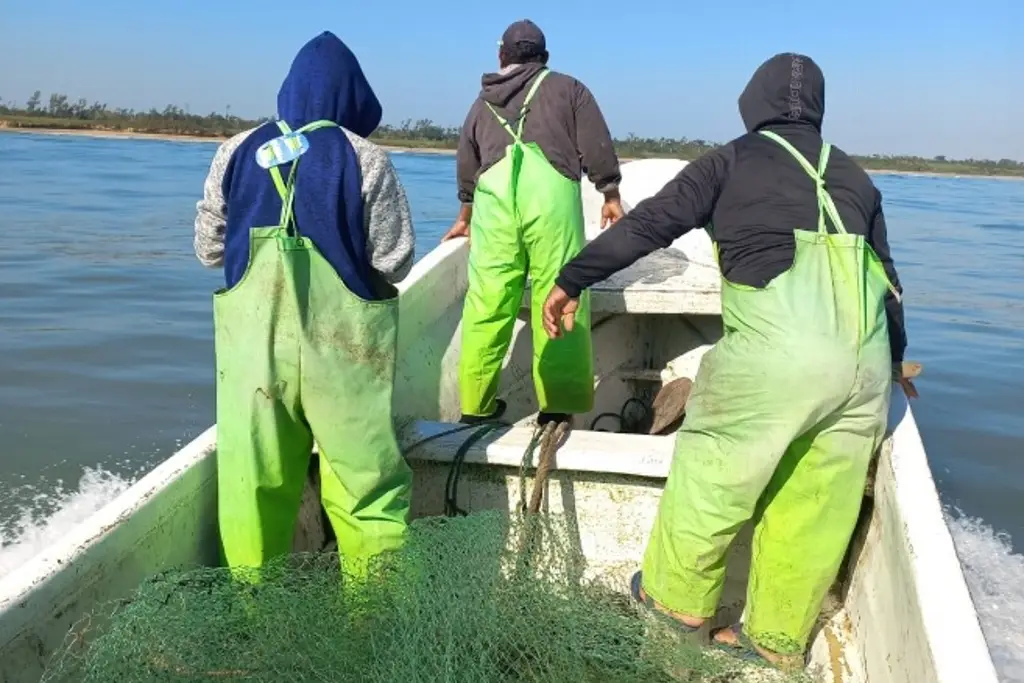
563,119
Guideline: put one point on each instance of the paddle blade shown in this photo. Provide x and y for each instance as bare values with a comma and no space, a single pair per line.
670,405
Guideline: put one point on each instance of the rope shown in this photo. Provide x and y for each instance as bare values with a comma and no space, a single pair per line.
548,438
449,432
549,444
627,424
527,461
451,487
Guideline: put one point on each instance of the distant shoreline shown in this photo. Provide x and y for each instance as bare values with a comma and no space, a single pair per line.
409,149
173,137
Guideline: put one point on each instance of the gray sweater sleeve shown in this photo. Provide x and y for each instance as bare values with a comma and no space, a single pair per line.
387,219
594,141
211,210
390,240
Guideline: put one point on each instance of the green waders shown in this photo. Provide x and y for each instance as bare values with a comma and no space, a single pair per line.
785,415
299,357
527,218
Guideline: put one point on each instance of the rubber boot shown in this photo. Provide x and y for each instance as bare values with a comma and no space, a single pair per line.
479,419
557,418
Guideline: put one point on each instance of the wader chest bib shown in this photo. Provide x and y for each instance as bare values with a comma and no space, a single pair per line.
785,415
527,219
300,358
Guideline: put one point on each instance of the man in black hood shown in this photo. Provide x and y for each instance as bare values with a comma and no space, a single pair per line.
521,155
789,406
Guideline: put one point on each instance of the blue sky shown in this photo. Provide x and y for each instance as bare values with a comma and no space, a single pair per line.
903,76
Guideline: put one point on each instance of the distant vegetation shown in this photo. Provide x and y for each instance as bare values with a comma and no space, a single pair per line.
59,112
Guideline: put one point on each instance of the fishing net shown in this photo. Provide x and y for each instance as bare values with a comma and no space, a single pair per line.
476,599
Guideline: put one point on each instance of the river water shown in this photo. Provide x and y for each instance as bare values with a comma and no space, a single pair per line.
106,356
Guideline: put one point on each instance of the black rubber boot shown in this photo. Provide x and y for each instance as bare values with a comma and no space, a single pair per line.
478,419
557,418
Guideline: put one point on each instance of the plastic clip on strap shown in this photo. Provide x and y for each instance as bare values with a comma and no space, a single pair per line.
287,148
283,149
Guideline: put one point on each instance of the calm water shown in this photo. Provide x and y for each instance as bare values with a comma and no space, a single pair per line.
106,356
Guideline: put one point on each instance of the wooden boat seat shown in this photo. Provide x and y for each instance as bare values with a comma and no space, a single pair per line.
582,451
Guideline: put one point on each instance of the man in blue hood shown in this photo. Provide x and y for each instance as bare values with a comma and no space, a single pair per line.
312,227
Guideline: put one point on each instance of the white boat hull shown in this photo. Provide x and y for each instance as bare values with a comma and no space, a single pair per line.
900,614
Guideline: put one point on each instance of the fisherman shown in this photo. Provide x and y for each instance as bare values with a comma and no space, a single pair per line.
521,155
789,406
312,228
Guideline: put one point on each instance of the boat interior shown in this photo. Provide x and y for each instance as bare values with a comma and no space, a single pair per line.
651,321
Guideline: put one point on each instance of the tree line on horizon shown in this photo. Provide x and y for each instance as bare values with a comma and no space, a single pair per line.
59,111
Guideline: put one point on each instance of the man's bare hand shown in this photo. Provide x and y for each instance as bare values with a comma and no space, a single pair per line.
903,374
459,229
559,311
611,212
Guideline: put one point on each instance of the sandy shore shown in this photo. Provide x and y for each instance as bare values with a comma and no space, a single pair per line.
420,150
77,132
936,174
402,150
111,134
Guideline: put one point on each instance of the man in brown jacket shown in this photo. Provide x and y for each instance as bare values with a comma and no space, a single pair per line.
528,139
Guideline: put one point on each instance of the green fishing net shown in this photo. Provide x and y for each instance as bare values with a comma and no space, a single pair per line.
477,599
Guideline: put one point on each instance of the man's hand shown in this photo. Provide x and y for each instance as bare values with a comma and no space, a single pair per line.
559,310
903,374
612,209
460,228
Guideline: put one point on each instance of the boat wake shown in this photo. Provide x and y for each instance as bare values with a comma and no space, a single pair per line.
995,574
49,514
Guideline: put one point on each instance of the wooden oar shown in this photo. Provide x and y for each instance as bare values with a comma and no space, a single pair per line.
670,405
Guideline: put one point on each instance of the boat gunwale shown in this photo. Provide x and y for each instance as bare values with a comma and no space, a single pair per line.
951,622
17,588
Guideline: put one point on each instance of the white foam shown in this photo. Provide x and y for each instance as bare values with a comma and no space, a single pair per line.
995,576
51,514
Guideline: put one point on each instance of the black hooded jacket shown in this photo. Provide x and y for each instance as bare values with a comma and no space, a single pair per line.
753,193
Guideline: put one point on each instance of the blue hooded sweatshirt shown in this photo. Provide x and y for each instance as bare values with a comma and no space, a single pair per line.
325,82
